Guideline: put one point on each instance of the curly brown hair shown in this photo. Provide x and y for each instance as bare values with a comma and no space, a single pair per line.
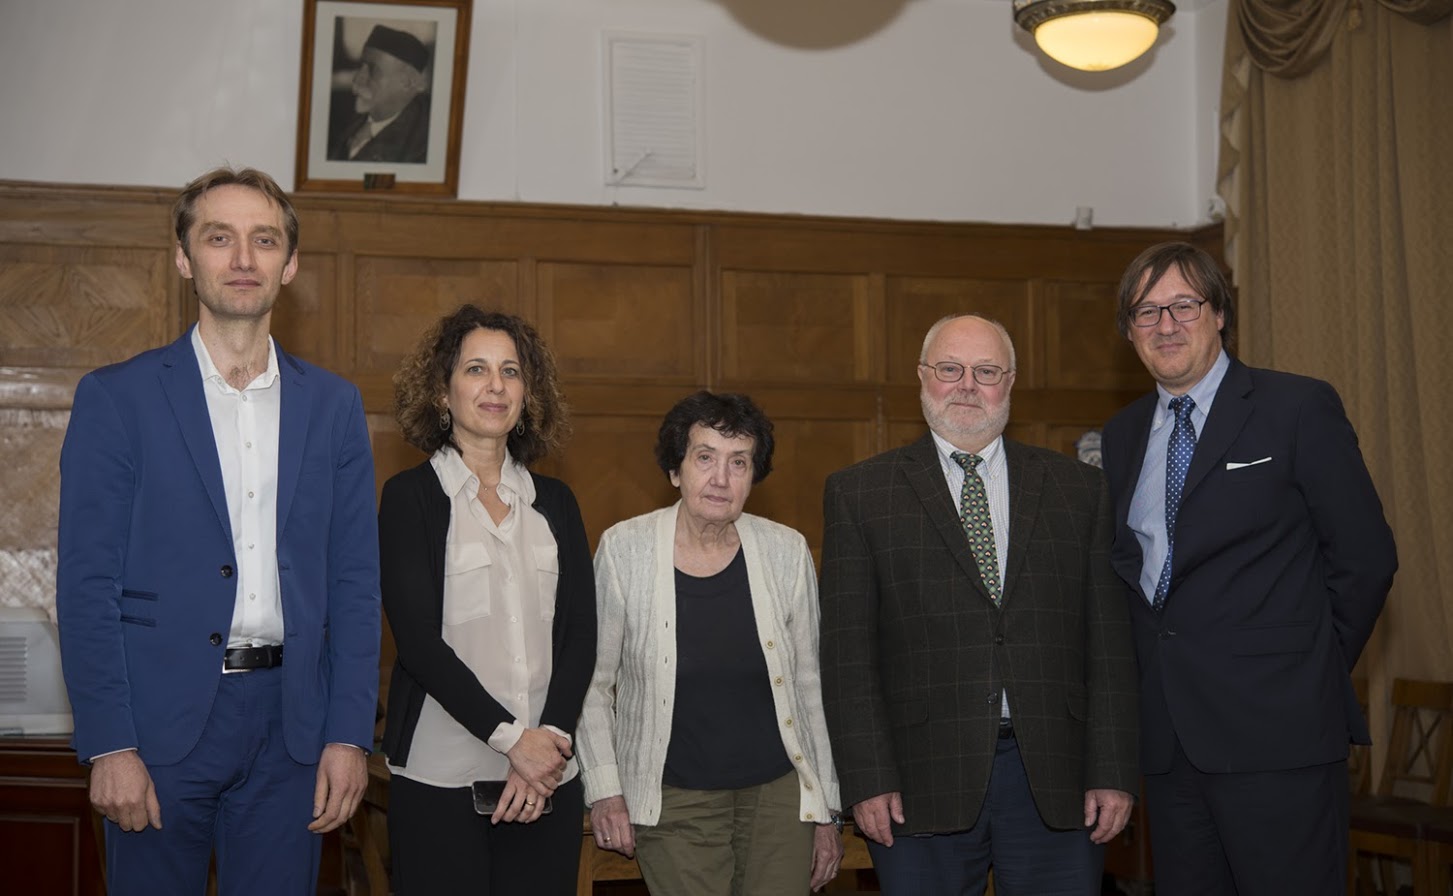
422,382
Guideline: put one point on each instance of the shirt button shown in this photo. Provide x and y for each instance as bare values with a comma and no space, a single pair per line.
517,659
249,493
513,619
252,597
247,444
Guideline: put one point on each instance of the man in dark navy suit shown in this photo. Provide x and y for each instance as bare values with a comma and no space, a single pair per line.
1257,559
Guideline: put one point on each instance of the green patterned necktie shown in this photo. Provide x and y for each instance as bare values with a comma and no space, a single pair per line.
974,513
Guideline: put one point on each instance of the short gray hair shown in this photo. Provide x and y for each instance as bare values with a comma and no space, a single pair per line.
939,324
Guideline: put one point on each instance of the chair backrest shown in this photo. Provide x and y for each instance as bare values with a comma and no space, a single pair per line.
1420,753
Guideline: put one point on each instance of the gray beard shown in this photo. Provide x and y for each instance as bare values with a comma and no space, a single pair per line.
986,430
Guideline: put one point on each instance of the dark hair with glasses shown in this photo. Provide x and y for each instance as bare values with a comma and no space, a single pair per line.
1202,274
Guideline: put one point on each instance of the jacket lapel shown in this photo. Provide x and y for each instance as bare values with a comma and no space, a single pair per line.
924,473
181,381
1228,415
292,432
1026,485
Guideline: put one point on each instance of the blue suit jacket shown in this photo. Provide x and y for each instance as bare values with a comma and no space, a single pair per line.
1282,563
145,586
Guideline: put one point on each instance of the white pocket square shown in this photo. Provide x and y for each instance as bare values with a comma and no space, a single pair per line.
1232,465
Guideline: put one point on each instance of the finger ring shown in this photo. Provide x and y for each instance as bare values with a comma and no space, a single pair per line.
529,802
607,838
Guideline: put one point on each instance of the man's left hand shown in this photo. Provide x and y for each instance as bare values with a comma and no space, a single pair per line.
1108,810
342,777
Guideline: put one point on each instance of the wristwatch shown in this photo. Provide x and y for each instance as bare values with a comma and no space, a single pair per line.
836,819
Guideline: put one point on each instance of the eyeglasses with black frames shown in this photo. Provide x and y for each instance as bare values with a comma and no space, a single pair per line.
952,372
1181,311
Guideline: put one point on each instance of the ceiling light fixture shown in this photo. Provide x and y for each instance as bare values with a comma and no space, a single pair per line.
1093,35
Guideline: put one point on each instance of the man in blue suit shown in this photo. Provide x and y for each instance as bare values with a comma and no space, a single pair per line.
1257,560
218,582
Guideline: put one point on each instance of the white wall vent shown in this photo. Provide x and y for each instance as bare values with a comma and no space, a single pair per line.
653,117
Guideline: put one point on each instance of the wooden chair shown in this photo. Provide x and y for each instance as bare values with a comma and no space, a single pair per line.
1387,827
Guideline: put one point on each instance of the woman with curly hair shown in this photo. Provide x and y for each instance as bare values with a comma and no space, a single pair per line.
488,588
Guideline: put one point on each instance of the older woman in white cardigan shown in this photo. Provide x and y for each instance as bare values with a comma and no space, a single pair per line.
702,744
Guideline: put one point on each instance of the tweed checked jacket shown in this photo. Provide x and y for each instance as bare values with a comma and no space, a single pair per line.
915,653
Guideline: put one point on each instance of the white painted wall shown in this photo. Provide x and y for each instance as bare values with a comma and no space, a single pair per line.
922,109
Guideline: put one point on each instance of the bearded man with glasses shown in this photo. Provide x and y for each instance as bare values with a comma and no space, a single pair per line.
1256,560
977,669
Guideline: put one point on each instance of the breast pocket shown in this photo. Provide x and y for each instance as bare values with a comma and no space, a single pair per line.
547,570
466,582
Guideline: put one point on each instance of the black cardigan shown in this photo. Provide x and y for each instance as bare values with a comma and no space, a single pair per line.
413,525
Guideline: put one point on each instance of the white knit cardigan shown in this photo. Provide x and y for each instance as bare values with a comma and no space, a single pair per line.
626,723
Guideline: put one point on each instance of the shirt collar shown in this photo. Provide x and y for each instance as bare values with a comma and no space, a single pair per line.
210,372
989,454
1202,393
456,477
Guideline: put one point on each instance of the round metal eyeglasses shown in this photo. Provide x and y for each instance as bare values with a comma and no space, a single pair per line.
952,372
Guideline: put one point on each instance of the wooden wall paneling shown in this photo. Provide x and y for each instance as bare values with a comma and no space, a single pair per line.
305,320
806,452
610,464
795,327
75,306
398,298
1083,349
622,321
915,303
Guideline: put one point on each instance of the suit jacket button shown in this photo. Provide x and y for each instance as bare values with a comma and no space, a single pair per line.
999,639
226,571
215,638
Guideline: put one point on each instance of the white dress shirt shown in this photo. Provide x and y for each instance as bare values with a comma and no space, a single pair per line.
993,469
245,427
499,610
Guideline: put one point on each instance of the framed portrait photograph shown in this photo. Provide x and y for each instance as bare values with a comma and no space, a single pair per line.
382,96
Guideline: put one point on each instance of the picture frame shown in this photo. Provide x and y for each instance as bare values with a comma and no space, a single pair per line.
381,101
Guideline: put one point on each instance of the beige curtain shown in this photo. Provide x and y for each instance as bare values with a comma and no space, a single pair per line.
1336,166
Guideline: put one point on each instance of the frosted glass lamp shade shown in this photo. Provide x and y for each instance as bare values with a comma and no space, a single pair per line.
1093,35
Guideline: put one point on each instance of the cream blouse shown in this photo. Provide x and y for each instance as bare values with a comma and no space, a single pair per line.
499,607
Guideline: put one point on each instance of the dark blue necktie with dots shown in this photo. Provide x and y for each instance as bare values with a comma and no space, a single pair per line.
1177,461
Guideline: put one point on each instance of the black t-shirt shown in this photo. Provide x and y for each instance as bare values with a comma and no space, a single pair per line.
723,728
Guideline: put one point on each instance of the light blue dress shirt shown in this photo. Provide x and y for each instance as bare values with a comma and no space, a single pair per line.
1147,506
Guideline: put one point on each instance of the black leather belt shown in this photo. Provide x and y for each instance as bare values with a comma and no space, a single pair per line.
243,659
1006,728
